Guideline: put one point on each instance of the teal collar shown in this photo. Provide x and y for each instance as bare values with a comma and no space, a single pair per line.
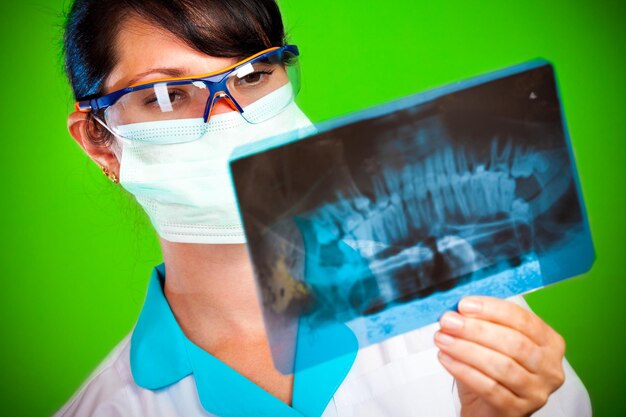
161,355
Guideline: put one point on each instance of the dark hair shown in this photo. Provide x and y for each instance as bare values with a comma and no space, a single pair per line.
220,28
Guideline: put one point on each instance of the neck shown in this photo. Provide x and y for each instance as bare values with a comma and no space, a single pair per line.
212,292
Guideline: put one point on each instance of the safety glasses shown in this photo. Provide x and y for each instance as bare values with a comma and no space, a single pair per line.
259,87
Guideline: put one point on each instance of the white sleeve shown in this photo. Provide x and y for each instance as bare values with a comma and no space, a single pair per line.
570,400
102,395
105,393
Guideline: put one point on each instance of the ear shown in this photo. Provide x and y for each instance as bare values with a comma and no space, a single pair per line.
78,124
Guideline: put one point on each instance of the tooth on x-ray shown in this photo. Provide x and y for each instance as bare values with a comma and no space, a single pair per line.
383,220
428,225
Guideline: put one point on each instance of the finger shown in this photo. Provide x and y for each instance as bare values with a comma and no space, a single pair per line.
501,368
507,314
486,388
494,336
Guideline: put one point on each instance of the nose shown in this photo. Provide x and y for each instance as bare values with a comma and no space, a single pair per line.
222,106
220,103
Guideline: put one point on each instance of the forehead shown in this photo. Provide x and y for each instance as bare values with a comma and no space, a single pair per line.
141,46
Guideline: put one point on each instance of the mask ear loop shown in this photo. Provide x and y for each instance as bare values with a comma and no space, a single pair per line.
103,123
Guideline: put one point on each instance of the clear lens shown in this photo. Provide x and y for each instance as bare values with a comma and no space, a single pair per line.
146,115
262,89
265,88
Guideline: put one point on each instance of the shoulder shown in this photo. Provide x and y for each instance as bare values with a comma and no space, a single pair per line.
106,392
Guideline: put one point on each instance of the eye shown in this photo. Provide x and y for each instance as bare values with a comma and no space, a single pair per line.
253,79
174,97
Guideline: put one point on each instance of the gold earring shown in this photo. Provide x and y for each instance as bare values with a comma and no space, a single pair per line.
110,175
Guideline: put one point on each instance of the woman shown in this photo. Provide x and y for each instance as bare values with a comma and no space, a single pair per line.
199,347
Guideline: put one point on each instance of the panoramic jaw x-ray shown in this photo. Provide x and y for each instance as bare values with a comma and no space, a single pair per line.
376,223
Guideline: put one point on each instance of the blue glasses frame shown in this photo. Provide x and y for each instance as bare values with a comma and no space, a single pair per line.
215,82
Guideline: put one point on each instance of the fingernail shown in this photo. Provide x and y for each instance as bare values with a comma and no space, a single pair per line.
443,339
451,321
445,358
467,305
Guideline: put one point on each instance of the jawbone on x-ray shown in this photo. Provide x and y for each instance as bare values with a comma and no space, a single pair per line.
382,220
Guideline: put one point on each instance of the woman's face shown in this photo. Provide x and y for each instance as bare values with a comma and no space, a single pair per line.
144,52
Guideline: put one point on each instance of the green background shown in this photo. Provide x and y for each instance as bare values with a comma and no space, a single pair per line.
76,252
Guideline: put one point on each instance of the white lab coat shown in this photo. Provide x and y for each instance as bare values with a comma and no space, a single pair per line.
400,377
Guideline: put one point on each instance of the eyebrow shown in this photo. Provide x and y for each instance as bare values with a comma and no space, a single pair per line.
170,72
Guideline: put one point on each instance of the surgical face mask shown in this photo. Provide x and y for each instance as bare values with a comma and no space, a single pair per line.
185,186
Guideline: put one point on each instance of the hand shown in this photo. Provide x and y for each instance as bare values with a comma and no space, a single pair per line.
505,359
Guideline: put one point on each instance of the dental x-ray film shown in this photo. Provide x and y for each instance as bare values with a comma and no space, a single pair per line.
373,224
